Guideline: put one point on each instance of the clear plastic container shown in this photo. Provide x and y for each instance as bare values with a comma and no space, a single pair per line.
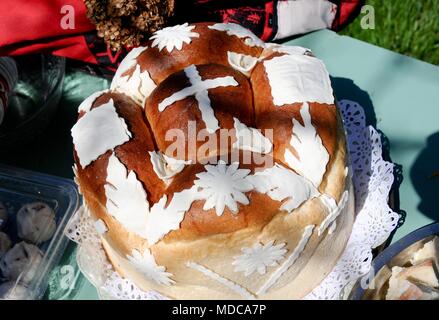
19,187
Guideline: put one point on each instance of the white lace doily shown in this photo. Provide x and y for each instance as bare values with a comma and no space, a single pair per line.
375,220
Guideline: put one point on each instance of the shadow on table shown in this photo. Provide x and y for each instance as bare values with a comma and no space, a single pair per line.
346,89
425,177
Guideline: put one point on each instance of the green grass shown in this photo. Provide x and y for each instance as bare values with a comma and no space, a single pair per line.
410,27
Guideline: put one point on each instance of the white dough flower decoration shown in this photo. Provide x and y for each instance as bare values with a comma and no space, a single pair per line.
147,265
222,186
259,257
173,37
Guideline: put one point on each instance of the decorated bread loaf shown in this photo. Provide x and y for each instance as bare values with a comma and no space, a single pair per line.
216,167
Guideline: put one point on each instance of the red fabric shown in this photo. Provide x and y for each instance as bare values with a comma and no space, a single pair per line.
347,11
256,15
35,26
73,47
28,20
32,26
269,30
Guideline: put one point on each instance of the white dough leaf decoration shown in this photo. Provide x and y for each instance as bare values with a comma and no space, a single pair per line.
289,261
138,85
259,258
250,139
222,185
243,292
334,211
241,62
126,199
173,37
233,29
313,156
86,105
146,264
166,167
98,131
282,184
162,219
129,61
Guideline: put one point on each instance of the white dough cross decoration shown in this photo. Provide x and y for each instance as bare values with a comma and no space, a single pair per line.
199,88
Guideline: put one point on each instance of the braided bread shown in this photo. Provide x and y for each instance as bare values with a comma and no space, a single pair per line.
216,167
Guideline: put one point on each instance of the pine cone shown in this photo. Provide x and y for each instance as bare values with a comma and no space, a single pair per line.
132,39
165,8
127,22
96,10
148,21
111,31
120,8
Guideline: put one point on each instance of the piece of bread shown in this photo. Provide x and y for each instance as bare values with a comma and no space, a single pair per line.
429,293
265,215
424,272
413,283
430,251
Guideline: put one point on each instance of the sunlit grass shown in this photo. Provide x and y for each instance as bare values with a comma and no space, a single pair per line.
410,27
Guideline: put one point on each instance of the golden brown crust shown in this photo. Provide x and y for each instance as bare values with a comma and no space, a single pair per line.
160,63
228,102
177,248
199,223
217,251
133,154
203,236
270,116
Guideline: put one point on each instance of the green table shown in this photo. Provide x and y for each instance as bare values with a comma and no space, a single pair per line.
400,94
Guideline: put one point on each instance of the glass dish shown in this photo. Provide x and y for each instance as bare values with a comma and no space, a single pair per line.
398,254
19,187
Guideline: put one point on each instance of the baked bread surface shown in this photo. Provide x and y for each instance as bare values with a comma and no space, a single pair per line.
264,219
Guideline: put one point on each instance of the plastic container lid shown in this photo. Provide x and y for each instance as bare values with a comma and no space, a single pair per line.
20,187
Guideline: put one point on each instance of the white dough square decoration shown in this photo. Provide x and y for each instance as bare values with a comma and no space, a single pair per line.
98,131
298,78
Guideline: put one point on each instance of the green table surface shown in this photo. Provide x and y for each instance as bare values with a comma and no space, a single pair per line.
400,95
